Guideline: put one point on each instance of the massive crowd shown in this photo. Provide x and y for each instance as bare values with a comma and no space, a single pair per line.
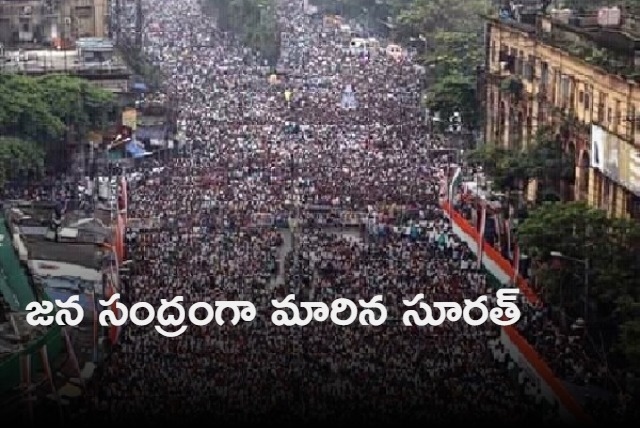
251,161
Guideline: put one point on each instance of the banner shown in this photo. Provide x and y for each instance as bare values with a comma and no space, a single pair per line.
455,182
617,159
348,100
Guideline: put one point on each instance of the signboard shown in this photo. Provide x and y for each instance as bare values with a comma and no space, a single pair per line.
130,118
617,159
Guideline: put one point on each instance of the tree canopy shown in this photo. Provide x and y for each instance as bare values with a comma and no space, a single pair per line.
47,110
542,160
19,158
604,248
454,49
254,21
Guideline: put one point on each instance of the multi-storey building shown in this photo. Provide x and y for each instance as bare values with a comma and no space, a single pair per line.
577,74
46,22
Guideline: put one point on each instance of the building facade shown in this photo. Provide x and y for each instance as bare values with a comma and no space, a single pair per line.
542,71
51,22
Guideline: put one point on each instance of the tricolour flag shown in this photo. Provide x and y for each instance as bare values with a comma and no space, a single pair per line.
507,231
455,182
516,264
483,223
123,204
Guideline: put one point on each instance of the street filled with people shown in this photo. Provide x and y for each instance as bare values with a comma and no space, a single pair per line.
318,182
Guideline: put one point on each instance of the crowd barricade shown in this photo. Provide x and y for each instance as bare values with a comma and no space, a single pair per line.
522,353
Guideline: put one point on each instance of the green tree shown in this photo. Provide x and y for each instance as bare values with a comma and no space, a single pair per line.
508,170
254,21
52,110
19,158
454,93
611,248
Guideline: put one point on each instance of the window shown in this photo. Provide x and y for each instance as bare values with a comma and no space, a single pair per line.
581,97
529,68
609,115
493,52
544,74
602,105
587,102
564,89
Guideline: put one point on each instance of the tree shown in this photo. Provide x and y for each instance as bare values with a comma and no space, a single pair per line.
508,170
19,158
454,92
612,249
253,21
52,109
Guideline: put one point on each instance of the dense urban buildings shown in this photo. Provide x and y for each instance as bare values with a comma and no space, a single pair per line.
52,22
254,149
576,72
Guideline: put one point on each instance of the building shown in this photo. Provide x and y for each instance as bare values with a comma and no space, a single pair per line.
579,75
93,59
51,22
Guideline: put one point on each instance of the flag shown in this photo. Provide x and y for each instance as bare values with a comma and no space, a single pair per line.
483,223
455,182
123,204
507,231
516,264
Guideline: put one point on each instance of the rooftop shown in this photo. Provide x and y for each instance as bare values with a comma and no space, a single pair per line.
95,44
605,39
38,62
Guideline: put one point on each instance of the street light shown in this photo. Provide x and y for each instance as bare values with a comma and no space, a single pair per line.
585,263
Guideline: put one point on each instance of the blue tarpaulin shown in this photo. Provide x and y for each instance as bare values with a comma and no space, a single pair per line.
135,151
140,87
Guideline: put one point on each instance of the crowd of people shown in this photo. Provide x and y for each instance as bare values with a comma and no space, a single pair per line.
254,161
568,349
